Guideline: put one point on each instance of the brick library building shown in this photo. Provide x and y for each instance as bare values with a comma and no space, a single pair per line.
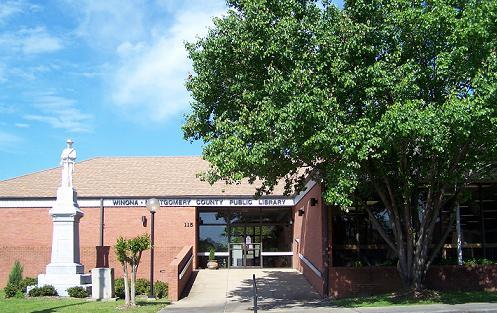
338,251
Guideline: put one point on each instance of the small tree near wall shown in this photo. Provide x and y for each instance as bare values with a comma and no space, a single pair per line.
136,247
122,253
129,253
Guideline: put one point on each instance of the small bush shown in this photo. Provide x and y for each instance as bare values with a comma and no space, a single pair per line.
13,286
28,281
142,286
160,289
212,254
487,262
15,276
19,294
35,292
47,290
10,290
77,292
479,261
119,287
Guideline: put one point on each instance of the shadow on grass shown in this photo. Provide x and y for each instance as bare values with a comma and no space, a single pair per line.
54,309
121,306
442,297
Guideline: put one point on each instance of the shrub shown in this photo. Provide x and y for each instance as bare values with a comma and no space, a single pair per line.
10,290
47,290
142,286
15,276
160,289
13,286
77,292
479,261
487,262
28,281
212,254
119,287
19,294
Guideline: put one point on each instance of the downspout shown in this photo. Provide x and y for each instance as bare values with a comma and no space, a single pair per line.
325,244
101,222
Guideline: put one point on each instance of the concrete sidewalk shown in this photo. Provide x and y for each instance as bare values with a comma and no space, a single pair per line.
231,291
282,291
429,308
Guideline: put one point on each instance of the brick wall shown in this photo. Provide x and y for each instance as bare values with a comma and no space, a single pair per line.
462,278
176,283
364,281
26,236
308,231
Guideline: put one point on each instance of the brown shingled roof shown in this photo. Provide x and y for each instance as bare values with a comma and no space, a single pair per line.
128,177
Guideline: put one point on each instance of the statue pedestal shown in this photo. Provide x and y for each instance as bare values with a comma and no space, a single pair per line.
102,282
65,270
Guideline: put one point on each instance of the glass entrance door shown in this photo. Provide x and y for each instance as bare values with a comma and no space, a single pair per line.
245,237
245,255
245,246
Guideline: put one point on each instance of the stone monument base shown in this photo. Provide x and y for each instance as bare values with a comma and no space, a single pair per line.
63,276
102,281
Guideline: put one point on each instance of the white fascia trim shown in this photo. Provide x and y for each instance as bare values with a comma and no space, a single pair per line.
165,202
310,265
168,202
310,184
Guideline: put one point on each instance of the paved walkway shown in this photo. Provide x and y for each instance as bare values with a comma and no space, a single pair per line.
231,291
282,291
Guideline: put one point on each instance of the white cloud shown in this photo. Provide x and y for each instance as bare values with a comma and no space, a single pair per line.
9,9
37,40
21,125
149,81
60,112
145,39
110,22
31,41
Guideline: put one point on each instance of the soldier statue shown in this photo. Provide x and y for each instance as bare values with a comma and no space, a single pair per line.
67,159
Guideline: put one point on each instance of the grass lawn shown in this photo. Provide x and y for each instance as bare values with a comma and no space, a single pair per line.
438,297
49,305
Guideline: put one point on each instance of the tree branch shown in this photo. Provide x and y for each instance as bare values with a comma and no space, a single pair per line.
442,241
380,230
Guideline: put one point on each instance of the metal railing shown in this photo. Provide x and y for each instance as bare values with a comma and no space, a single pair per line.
255,293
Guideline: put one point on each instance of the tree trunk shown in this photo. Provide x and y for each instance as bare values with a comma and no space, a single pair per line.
412,239
133,285
126,285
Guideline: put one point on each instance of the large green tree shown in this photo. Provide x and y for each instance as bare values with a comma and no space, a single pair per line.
392,97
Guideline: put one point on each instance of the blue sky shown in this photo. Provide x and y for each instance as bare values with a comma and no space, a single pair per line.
107,73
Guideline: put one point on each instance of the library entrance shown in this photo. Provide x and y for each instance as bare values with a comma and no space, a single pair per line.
246,237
